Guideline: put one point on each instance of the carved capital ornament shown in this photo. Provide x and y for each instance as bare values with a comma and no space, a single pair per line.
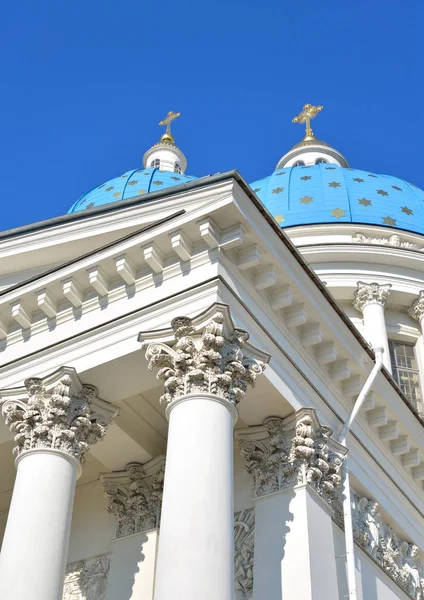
56,412
204,355
417,308
371,293
135,496
297,450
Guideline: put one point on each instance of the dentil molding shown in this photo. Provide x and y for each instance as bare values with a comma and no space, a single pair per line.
204,355
135,496
56,412
371,293
284,453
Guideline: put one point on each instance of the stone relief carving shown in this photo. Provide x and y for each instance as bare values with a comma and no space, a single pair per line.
399,558
292,451
135,496
371,292
244,542
87,580
210,357
56,412
393,240
417,309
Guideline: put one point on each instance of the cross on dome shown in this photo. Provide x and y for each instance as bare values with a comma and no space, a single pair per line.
171,116
309,112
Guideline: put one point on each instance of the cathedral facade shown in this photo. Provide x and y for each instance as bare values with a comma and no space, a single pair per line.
212,389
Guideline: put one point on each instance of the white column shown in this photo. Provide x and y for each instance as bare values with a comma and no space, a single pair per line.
295,466
135,497
370,299
55,426
417,312
206,372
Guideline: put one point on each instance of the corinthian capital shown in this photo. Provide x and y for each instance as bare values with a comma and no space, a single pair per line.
56,412
371,293
287,452
204,355
135,495
417,308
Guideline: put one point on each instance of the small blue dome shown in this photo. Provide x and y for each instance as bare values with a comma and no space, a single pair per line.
128,185
327,193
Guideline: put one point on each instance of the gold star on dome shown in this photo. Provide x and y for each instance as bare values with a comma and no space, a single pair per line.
334,184
389,221
364,202
116,194
382,192
358,179
256,190
372,175
89,205
109,188
278,190
407,210
282,173
338,212
157,182
141,192
395,187
330,168
176,178
133,182
305,178
147,174
100,186
123,176
279,218
306,199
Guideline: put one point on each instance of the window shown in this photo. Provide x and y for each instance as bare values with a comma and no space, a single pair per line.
321,160
299,163
177,168
406,373
155,164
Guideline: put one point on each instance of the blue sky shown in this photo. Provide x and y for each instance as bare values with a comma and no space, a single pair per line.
84,85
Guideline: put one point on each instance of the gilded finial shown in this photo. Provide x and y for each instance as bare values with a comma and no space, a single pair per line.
308,113
171,116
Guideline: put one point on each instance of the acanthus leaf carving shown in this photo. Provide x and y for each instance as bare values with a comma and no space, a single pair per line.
417,308
210,357
292,451
368,293
135,496
57,413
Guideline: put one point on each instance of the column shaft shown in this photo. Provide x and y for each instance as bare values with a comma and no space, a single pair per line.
375,329
35,544
195,556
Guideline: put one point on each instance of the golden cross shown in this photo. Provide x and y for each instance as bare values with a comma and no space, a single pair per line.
168,120
308,113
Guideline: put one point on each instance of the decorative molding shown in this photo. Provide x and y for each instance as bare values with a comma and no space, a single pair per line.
87,579
135,496
417,309
399,558
284,453
393,240
244,543
204,355
56,412
371,293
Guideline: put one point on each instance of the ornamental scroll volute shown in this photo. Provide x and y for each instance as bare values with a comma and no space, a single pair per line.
204,355
56,412
297,450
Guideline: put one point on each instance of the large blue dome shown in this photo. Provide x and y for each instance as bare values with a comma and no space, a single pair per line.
132,183
327,193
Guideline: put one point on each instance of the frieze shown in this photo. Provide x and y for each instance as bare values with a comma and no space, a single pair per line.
87,579
244,543
393,240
